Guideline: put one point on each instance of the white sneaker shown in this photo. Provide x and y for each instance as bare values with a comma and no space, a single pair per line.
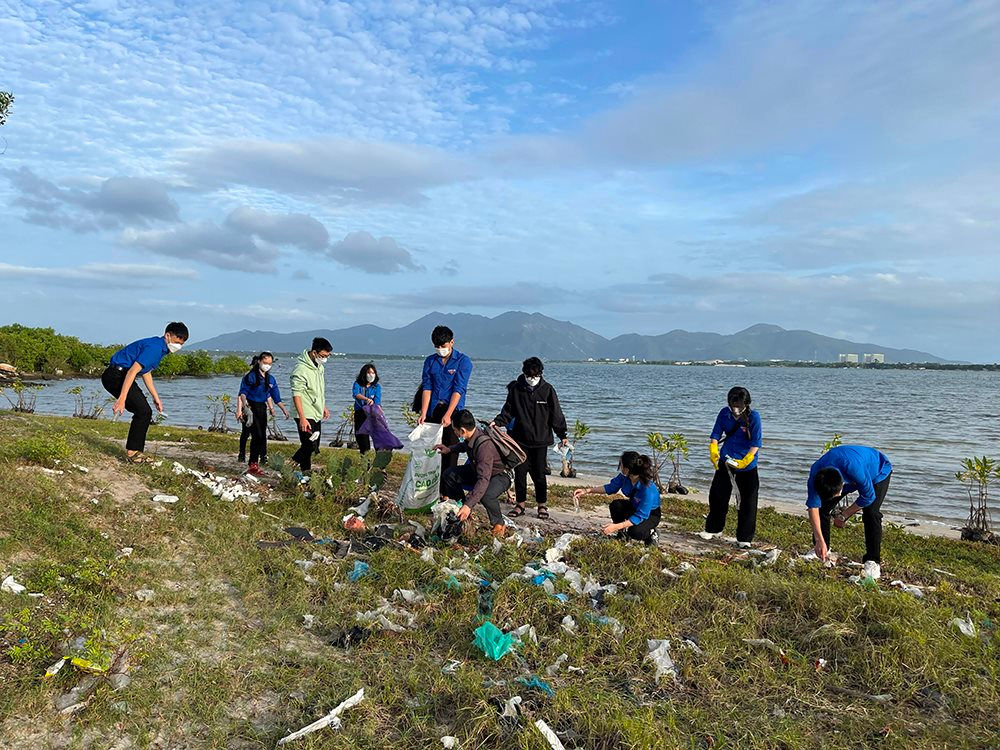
708,536
872,570
744,545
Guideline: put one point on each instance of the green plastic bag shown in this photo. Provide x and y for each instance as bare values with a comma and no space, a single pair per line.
492,641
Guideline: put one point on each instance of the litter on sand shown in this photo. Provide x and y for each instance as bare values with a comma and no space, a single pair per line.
659,654
360,570
537,684
492,641
966,627
165,498
549,735
331,720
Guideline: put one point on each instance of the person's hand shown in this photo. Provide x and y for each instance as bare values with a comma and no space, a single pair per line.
118,407
326,413
713,453
743,462
564,442
421,419
158,404
442,449
464,512
371,401
839,521
610,529
304,425
446,420
821,549
577,494
287,415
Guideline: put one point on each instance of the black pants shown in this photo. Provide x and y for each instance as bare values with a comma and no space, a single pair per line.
364,441
457,478
535,466
258,431
748,484
621,509
244,436
135,403
448,437
871,516
303,456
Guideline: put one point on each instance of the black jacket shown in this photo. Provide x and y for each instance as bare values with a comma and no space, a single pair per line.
535,411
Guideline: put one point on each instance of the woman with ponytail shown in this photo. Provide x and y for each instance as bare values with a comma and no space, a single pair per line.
738,427
636,515
257,389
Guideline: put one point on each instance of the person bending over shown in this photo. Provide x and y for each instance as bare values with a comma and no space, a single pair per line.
483,475
137,359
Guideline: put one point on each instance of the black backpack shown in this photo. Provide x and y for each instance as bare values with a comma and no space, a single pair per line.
512,455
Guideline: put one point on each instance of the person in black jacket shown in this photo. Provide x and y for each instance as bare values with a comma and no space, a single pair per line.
533,407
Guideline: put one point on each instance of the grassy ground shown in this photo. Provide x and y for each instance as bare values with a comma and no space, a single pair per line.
220,657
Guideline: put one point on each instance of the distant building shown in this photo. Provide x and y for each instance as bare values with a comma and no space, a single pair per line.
851,358
875,358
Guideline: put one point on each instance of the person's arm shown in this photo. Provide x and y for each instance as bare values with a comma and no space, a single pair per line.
377,400
601,489
755,442
452,404
304,425
745,461
459,388
506,411
557,418
819,542
130,376
359,393
147,378
241,402
713,446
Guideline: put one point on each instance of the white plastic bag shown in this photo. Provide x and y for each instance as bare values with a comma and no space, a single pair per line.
422,479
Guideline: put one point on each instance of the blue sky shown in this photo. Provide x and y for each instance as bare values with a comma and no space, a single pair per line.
629,166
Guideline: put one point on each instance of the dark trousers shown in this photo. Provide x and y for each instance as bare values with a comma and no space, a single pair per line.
244,436
448,437
303,456
621,509
871,516
457,478
364,441
258,431
135,403
535,466
748,484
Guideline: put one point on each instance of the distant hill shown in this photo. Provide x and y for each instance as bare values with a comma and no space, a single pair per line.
516,335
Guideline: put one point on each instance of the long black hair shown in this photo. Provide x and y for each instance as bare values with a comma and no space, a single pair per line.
627,461
740,396
643,468
362,380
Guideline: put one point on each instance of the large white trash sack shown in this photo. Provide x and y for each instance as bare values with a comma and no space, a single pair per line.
422,479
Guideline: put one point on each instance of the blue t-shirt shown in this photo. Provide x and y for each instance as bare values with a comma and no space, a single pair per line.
258,389
861,468
374,392
443,379
645,499
147,352
620,483
739,440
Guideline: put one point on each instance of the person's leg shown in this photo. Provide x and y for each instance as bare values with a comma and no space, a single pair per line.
455,479
521,484
620,509
244,436
872,519
142,416
718,501
748,483
258,431
642,531
535,465
491,498
364,441
303,456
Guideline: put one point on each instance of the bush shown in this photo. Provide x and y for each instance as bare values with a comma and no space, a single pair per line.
44,450
230,364
43,350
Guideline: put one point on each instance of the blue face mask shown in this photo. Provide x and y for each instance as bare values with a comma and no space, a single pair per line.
461,439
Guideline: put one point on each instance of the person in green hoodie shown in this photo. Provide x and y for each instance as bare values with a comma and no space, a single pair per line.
309,398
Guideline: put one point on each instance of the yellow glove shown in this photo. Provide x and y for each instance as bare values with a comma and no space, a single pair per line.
742,463
713,453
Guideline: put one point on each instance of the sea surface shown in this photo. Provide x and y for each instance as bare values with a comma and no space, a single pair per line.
925,421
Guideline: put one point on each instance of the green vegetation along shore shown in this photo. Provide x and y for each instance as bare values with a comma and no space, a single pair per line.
189,633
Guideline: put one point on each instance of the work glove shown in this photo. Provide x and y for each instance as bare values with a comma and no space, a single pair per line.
713,453
742,463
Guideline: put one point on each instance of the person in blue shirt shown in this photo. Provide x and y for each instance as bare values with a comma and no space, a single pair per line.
840,471
443,387
257,388
735,459
636,515
137,359
366,391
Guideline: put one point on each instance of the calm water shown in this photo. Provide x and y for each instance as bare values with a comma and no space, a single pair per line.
925,421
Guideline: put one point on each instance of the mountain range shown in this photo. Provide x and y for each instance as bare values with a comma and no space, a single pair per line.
516,335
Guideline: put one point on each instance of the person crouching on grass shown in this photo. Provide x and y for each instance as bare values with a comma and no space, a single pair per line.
636,515
137,359
836,474
484,472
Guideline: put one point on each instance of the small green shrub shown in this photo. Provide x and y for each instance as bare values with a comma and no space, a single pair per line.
44,450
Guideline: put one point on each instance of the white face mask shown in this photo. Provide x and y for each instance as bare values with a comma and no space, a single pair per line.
265,368
533,381
371,377
174,347
443,351
321,360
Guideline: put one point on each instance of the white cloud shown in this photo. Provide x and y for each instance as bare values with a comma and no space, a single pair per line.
361,250
115,275
206,243
281,229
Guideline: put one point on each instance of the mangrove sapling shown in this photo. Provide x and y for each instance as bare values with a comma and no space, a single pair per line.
26,396
833,442
219,407
977,473
677,449
346,422
91,407
580,432
274,430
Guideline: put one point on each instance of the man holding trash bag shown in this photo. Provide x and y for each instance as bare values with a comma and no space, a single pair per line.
484,472
443,386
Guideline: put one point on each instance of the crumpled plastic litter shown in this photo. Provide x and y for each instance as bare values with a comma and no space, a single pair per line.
612,622
360,569
492,641
549,735
526,630
165,498
446,525
221,487
497,546
145,595
427,555
771,558
691,645
511,708
361,509
966,627
354,522
685,567
909,588
409,596
11,586
463,572
559,549
331,720
569,624
449,742
770,646
308,621
555,666
819,664
452,584
669,573
380,616
451,667
659,654
485,599
348,637
537,684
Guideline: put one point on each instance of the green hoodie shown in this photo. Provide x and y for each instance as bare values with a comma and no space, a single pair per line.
308,384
